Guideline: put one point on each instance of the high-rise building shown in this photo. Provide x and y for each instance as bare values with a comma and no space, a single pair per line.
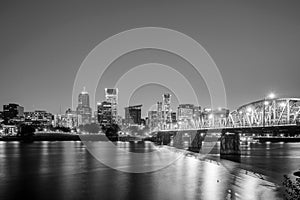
159,114
104,113
13,112
185,112
174,117
185,116
111,96
83,108
197,112
152,119
133,115
166,109
72,119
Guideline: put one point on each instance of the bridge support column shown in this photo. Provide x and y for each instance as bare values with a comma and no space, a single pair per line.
163,138
196,144
177,140
230,145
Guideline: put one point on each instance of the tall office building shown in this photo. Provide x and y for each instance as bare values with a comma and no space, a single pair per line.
104,113
111,96
83,108
13,112
167,109
185,112
133,115
159,114
152,119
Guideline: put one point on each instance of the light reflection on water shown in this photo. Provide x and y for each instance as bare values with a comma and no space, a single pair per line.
56,170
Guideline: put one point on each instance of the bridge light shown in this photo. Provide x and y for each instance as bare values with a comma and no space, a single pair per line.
271,96
249,109
282,104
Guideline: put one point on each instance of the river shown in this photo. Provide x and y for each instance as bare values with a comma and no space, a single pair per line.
68,170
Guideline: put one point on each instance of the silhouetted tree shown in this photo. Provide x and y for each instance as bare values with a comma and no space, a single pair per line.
111,131
292,188
62,128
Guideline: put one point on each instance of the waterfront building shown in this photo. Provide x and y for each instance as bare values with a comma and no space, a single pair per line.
111,96
83,108
72,119
13,113
38,115
39,118
133,115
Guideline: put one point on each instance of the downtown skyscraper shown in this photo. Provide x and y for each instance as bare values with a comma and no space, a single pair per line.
111,96
83,108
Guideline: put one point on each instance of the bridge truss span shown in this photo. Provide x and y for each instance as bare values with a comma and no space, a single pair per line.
266,112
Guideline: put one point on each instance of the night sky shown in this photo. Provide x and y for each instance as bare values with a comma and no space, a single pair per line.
255,44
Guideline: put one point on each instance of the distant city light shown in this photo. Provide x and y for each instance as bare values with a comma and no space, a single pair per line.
266,103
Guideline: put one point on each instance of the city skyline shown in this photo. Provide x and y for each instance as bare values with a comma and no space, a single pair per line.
252,58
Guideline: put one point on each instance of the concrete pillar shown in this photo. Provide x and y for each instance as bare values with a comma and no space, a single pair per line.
163,138
230,144
197,140
177,140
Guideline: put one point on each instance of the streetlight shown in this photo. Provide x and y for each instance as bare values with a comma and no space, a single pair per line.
271,95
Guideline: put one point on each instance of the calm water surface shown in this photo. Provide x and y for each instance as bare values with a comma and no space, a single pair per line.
66,170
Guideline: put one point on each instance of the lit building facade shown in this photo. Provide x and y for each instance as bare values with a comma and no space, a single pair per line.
13,112
111,96
39,118
159,114
83,108
152,119
104,113
185,112
166,109
133,115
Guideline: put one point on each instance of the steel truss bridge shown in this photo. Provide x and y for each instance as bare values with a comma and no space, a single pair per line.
266,113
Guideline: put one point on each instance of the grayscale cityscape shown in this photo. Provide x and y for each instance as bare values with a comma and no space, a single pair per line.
150,100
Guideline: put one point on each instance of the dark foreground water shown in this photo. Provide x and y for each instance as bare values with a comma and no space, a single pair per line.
67,170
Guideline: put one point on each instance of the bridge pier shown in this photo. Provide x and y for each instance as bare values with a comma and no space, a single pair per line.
196,144
230,144
163,138
177,140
